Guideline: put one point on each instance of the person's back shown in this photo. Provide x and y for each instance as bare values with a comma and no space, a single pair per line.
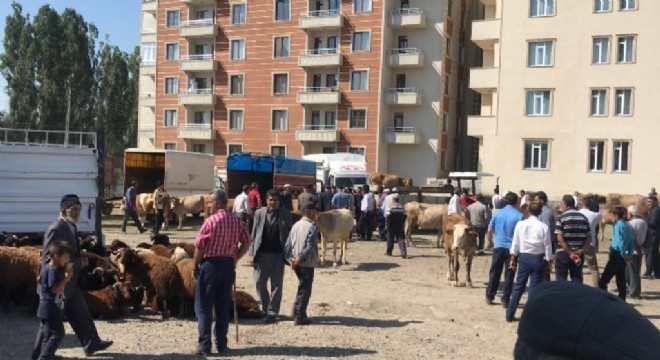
305,198
397,218
503,224
594,220
326,200
129,200
50,304
478,213
254,198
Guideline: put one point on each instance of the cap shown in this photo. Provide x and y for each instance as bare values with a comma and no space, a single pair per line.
287,185
395,196
395,189
69,201
386,190
593,324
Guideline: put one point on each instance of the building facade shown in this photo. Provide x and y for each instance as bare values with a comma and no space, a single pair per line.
382,78
567,95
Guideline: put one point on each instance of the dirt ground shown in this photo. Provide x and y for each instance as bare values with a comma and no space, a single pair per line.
376,307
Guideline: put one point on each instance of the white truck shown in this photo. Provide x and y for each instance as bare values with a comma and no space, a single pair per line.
340,169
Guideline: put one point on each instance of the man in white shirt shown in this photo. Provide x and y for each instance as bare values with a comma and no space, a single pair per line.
590,256
242,205
496,199
366,213
531,253
387,204
454,206
634,268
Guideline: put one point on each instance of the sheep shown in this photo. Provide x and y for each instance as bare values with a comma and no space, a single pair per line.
143,245
186,269
91,244
246,306
161,250
12,240
163,239
107,303
179,254
19,270
116,245
98,274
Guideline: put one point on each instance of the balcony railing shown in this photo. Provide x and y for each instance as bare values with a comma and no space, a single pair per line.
202,126
319,89
409,18
198,28
196,23
402,135
198,92
148,62
319,95
407,11
410,51
150,6
321,51
314,127
148,31
406,57
196,131
317,133
197,57
321,19
403,96
320,58
320,13
403,90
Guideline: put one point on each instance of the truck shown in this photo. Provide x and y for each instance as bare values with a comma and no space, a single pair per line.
38,167
340,169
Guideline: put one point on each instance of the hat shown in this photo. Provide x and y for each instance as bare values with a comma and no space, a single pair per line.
395,189
395,196
386,190
593,324
652,197
287,185
69,201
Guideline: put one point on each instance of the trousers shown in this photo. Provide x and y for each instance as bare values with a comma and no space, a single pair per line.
305,280
592,262
564,265
616,267
132,214
532,267
396,235
269,266
213,291
633,272
500,261
49,338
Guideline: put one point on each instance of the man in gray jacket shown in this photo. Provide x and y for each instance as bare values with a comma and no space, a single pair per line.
272,225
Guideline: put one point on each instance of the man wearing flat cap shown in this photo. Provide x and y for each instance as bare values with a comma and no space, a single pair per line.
75,307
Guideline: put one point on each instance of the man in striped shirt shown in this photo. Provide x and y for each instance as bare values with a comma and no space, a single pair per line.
221,242
573,240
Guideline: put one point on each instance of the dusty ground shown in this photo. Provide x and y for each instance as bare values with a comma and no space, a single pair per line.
377,307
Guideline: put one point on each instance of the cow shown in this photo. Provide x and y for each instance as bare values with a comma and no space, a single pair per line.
424,216
146,205
335,225
460,240
193,204
389,181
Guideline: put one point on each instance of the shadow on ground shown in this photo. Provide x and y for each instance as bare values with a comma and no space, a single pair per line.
360,322
376,266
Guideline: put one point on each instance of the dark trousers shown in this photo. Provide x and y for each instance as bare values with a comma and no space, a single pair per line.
49,338
132,214
160,219
305,279
481,232
616,266
364,226
652,257
251,219
381,224
633,271
396,235
500,261
269,266
213,292
78,316
564,265
531,267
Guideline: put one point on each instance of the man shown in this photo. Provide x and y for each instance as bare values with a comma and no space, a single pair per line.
271,229
503,223
576,198
302,253
130,208
465,200
381,213
286,200
158,207
395,223
479,215
75,306
523,198
357,204
325,199
221,243
367,211
531,254
341,200
454,206
591,254
306,198
633,270
242,205
254,199
573,240
547,217
496,198
652,242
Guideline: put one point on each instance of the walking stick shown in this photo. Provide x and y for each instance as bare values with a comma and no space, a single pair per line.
235,310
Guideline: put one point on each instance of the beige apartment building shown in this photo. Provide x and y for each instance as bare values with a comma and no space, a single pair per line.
568,91
386,79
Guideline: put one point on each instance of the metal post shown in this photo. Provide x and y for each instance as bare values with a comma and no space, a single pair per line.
68,117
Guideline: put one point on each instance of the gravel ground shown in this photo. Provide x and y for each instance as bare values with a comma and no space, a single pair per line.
376,307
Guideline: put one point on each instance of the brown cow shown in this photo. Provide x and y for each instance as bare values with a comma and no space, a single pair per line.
460,239
145,205
193,204
424,216
612,200
389,180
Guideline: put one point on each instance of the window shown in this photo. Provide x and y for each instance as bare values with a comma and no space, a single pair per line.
596,155
446,85
172,52
360,150
448,47
237,49
234,148
238,14
236,85
171,85
278,150
280,84
281,47
357,119
601,50
539,8
540,53
623,102
627,5
330,119
360,41
278,122
236,120
405,4
536,155
359,79
282,10
445,122
598,102
199,148
398,120
625,49
202,15
621,156
450,5
461,55
460,91
173,17
602,5
361,6
170,118
202,117
169,146
443,160
148,53
331,80
538,103
329,150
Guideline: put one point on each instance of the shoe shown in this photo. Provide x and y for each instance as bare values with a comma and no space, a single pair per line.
513,319
388,254
203,353
505,304
102,345
143,231
270,319
647,276
404,257
301,321
489,301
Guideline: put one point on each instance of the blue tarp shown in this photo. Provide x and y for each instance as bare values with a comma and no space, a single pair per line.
291,166
284,165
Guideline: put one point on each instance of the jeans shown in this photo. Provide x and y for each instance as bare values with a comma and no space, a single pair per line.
616,266
531,267
381,224
633,279
269,267
49,338
481,232
364,225
396,235
564,265
500,260
133,215
213,291
305,279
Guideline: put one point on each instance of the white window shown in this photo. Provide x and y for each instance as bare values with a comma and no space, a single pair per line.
625,49
541,8
359,80
360,150
172,52
173,17
238,14
536,155
169,146
357,119
171,118
282,10
236,120
596,155
171,85
360,41
234,148
199,148
279,120
148,53
361,6
280,84
623,102
602,5
621,156
281,47
236,85
601,50
237,49
445,122
278,150
538,102
627,4
540,53
598,102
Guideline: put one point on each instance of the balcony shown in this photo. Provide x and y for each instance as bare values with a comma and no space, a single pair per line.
403,96
321,19
148,67
196,131
320,58
147,132
407,18
480,126
402,136
148,35
150,6
199,2
198,28
408,57
484,80
486,33
202,62
197,97
311,95
148,99
317,133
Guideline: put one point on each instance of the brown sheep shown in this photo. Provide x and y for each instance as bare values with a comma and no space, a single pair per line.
98,274
19,270
162,239
246,307
107,303
161,250
187,271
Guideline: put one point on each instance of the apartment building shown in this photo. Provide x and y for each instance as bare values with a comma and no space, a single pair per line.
568,92
385,79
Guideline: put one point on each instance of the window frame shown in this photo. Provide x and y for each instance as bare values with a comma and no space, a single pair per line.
554,9
231,16
176,85
272,86
178,54
271,146
596,11
165,143
275,12
445,123
350,118
354,7
603,155
229,112
364,150
632,101
550,106
198,152
229,145
350,80
552,52
361,31
274,54
167,19
175,123
231,48
636,7
548,152
606,52
286,119
614,158
230,88
634,48
606,99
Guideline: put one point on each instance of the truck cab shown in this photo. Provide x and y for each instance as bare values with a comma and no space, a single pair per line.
341,169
